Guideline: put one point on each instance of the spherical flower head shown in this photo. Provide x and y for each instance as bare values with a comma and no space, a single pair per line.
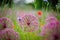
29,22
51,18
55,33
51,23
5,23
51,30
9,34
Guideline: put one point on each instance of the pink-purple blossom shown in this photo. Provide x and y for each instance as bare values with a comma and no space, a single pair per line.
9,34
6,23
29,22
52,29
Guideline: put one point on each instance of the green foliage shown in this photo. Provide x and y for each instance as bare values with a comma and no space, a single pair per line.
49,4
38,4
58,7
6,2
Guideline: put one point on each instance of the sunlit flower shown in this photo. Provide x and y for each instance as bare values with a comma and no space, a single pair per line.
29,22
51,30
9,34
5,23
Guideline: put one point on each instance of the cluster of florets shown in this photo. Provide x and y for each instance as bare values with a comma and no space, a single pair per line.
6,30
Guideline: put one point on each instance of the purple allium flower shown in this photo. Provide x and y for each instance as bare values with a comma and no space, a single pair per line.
9,34
5,23
51,22
51,18
53,34
52,29
29,23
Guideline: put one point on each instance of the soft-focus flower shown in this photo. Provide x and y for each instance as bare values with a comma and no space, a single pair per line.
51,22
9,34
29,22
51,30
5,23
54,33
39,13
51,19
